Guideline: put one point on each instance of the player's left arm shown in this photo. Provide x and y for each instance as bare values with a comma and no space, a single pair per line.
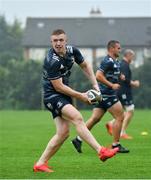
100,76
88,71
125,73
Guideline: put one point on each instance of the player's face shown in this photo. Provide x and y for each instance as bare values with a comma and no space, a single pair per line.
117,50
59,43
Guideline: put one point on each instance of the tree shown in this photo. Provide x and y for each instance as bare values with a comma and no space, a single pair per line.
10,41
19,80
20,85
142,97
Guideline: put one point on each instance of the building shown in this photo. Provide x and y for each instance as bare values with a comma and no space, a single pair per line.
90,34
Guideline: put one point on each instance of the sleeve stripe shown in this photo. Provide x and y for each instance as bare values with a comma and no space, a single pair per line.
54,78
101,69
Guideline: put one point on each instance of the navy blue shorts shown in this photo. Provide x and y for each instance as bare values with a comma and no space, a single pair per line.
125,99
55,104
107,102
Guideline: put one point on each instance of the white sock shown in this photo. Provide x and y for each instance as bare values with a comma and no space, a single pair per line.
114,144
78,137
123,132
112,121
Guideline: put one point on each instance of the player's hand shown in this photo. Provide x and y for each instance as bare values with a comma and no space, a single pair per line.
96,87
115,86
136,83
83,97
122,77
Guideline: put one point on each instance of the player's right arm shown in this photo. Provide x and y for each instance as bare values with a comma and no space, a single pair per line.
125,69
101,78
62,88
105,66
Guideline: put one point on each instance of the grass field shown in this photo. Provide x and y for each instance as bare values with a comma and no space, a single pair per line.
24,135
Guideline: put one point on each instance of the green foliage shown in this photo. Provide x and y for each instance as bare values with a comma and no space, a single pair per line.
142,97
19,79
10,43
20,84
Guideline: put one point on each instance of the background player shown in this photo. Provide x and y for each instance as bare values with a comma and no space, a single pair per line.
125,93
108,76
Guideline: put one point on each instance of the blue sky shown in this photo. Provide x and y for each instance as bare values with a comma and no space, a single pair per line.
21,9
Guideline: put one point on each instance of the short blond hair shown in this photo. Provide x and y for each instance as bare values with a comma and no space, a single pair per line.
129,51
58,32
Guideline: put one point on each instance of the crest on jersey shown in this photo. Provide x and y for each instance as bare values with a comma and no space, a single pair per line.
55,57
110,59
49,106
69,49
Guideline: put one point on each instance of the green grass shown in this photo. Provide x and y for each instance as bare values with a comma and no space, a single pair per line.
24,135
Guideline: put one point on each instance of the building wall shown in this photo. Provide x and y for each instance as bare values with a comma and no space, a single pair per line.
90,54
37,53
87,54
140,55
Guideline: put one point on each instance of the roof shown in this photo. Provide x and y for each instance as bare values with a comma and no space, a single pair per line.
89,32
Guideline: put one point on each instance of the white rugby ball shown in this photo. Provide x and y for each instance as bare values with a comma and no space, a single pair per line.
94,96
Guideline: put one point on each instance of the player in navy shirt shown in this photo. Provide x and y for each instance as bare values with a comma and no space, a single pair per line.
56,67
108,76
125,93
57,98
111,71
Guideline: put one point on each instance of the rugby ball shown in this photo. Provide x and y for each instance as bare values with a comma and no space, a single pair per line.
94,96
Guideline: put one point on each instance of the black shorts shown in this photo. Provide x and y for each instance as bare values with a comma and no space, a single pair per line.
125,99
55,104
107,102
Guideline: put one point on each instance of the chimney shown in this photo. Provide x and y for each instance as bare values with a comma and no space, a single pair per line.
95,12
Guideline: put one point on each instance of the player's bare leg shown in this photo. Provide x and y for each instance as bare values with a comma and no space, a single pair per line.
73,115
95,117
127,118
62,133
117,112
